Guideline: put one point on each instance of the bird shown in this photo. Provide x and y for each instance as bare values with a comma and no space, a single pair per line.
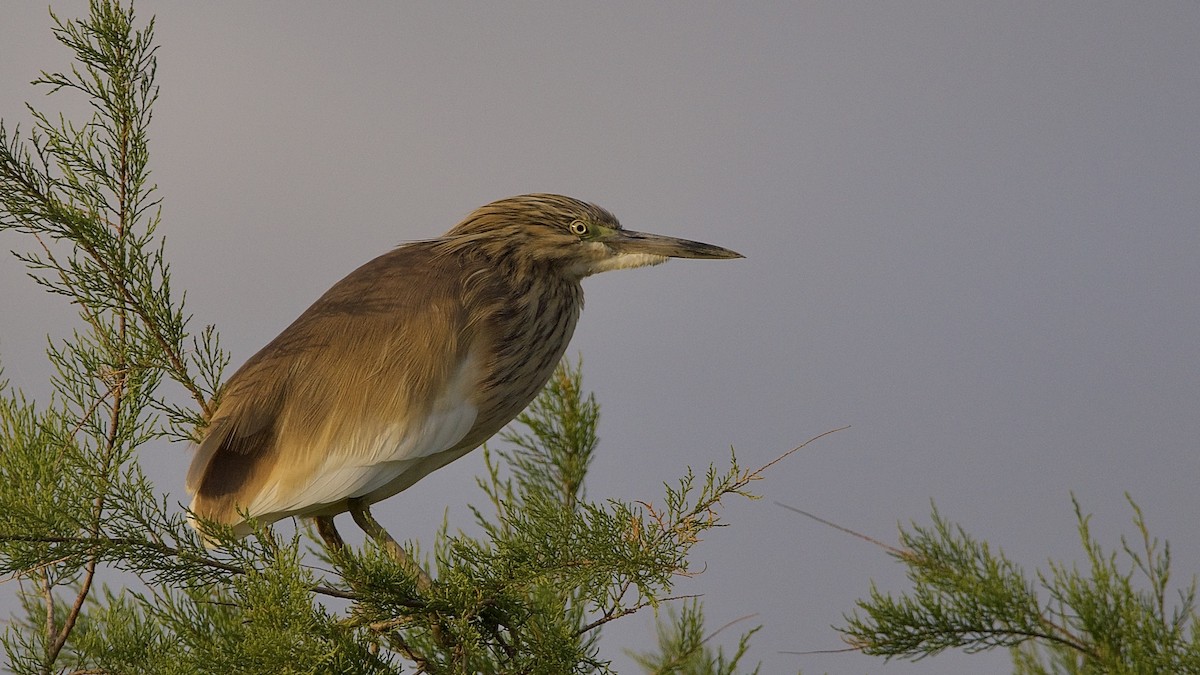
408,363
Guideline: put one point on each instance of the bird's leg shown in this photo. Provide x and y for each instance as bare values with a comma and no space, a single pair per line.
329,534
362,516
361,513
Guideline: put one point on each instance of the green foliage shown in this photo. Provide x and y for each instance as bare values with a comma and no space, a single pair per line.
559,443
552,568
1113,617
74,499
683,647
530,594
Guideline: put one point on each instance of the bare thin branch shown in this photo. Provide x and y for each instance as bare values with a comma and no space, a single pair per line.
889,548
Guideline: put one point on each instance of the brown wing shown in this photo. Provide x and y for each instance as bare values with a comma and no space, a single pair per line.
381,344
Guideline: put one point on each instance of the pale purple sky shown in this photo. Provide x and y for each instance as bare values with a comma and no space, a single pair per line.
972,231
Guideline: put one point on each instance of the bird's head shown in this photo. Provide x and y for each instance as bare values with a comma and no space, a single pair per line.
577,238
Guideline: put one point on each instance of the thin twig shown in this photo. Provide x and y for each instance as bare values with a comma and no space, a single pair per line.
737,620
48,592
900,553
759,471
626,611
60,640
810,652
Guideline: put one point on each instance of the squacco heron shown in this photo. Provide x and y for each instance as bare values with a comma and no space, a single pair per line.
410,362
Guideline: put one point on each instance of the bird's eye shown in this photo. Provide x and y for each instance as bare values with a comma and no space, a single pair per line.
578,228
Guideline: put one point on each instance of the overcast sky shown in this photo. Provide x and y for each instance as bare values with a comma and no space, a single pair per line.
972,232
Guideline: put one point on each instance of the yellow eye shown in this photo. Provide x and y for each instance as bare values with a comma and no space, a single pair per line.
578,228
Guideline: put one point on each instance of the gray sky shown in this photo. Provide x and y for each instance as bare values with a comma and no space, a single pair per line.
971,231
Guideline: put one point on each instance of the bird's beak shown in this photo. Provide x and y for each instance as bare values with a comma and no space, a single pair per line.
627,241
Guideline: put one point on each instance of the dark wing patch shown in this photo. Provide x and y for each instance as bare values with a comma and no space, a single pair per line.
228,462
